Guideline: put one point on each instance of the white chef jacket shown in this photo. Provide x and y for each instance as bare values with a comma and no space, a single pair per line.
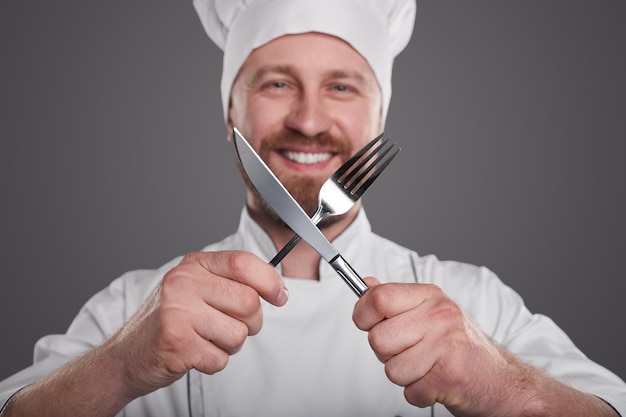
309,358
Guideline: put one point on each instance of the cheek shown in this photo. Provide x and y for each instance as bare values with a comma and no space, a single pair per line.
265,115
362,121
375,115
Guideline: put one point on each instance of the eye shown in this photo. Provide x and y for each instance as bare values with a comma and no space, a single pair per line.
341,87
276,85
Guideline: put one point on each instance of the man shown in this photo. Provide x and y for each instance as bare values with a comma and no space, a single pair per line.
309,81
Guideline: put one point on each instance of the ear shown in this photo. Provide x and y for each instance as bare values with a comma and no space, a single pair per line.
229,125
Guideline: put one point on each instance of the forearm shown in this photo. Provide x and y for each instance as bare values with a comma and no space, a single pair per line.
91,385
558,399
538,394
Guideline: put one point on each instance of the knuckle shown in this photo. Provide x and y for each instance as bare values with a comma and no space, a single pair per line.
215,362
431,289
249,302
254,325
176,278
422,397
239,334
169,283
446,309
380,297
191,257
230,336
238,262
394,372
377,341
220,362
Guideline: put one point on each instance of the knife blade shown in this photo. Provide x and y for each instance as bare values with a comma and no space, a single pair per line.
292,214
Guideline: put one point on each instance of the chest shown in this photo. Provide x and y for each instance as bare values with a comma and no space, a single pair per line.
306,361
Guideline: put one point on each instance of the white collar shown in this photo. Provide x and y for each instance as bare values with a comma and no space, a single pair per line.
253,238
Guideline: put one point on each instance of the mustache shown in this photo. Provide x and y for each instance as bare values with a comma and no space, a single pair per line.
325,140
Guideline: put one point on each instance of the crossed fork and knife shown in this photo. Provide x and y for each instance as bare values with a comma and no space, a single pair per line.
337,195
346,185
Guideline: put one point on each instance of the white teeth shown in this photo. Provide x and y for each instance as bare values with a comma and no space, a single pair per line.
307,158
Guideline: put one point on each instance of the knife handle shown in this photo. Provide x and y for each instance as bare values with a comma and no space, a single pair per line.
349,275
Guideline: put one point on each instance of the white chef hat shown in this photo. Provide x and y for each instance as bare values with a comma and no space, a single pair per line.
377,29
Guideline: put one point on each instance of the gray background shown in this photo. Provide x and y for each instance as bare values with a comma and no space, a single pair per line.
511,115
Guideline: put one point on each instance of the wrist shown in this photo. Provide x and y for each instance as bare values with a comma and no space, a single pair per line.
525,396
87,385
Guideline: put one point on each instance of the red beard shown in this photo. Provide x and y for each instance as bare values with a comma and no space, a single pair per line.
304,188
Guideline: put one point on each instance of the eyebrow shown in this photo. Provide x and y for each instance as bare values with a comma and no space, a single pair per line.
291,71
262,71
354,75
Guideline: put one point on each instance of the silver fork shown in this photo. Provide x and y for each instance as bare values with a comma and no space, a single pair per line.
344,188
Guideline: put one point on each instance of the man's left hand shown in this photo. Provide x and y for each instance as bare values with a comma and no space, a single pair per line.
430,346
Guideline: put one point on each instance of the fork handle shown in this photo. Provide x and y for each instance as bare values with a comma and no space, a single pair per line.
316,218
285,250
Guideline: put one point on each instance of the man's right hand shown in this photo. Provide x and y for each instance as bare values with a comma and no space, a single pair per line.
201,312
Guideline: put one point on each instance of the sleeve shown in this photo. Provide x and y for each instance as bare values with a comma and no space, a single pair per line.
539,341
534,338
5,397
102,315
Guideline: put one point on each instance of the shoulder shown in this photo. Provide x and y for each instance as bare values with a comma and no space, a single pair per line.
426,269
475,288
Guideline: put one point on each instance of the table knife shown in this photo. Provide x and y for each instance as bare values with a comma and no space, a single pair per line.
292,214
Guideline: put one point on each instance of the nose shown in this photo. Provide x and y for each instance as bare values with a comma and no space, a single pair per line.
308,115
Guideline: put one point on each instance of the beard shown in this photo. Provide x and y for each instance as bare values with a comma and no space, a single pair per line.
303,187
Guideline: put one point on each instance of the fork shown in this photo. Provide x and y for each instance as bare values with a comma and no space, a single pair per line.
346,186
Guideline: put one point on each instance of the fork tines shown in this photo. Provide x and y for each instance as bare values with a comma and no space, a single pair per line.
372,161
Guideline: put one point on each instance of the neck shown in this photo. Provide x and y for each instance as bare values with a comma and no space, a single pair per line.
303,261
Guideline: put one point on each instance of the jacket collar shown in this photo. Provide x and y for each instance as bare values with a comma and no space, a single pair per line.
253,238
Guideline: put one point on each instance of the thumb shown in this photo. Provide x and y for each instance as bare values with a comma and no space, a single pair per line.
371,282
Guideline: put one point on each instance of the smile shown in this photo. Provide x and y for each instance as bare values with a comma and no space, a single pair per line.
307,158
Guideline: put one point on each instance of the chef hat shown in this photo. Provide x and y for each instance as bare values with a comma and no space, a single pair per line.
377,29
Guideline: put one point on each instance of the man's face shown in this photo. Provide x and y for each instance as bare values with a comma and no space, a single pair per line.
306,103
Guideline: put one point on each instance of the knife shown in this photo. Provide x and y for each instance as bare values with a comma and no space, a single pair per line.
292,214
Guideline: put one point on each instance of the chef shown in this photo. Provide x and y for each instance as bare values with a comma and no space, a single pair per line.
220,332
